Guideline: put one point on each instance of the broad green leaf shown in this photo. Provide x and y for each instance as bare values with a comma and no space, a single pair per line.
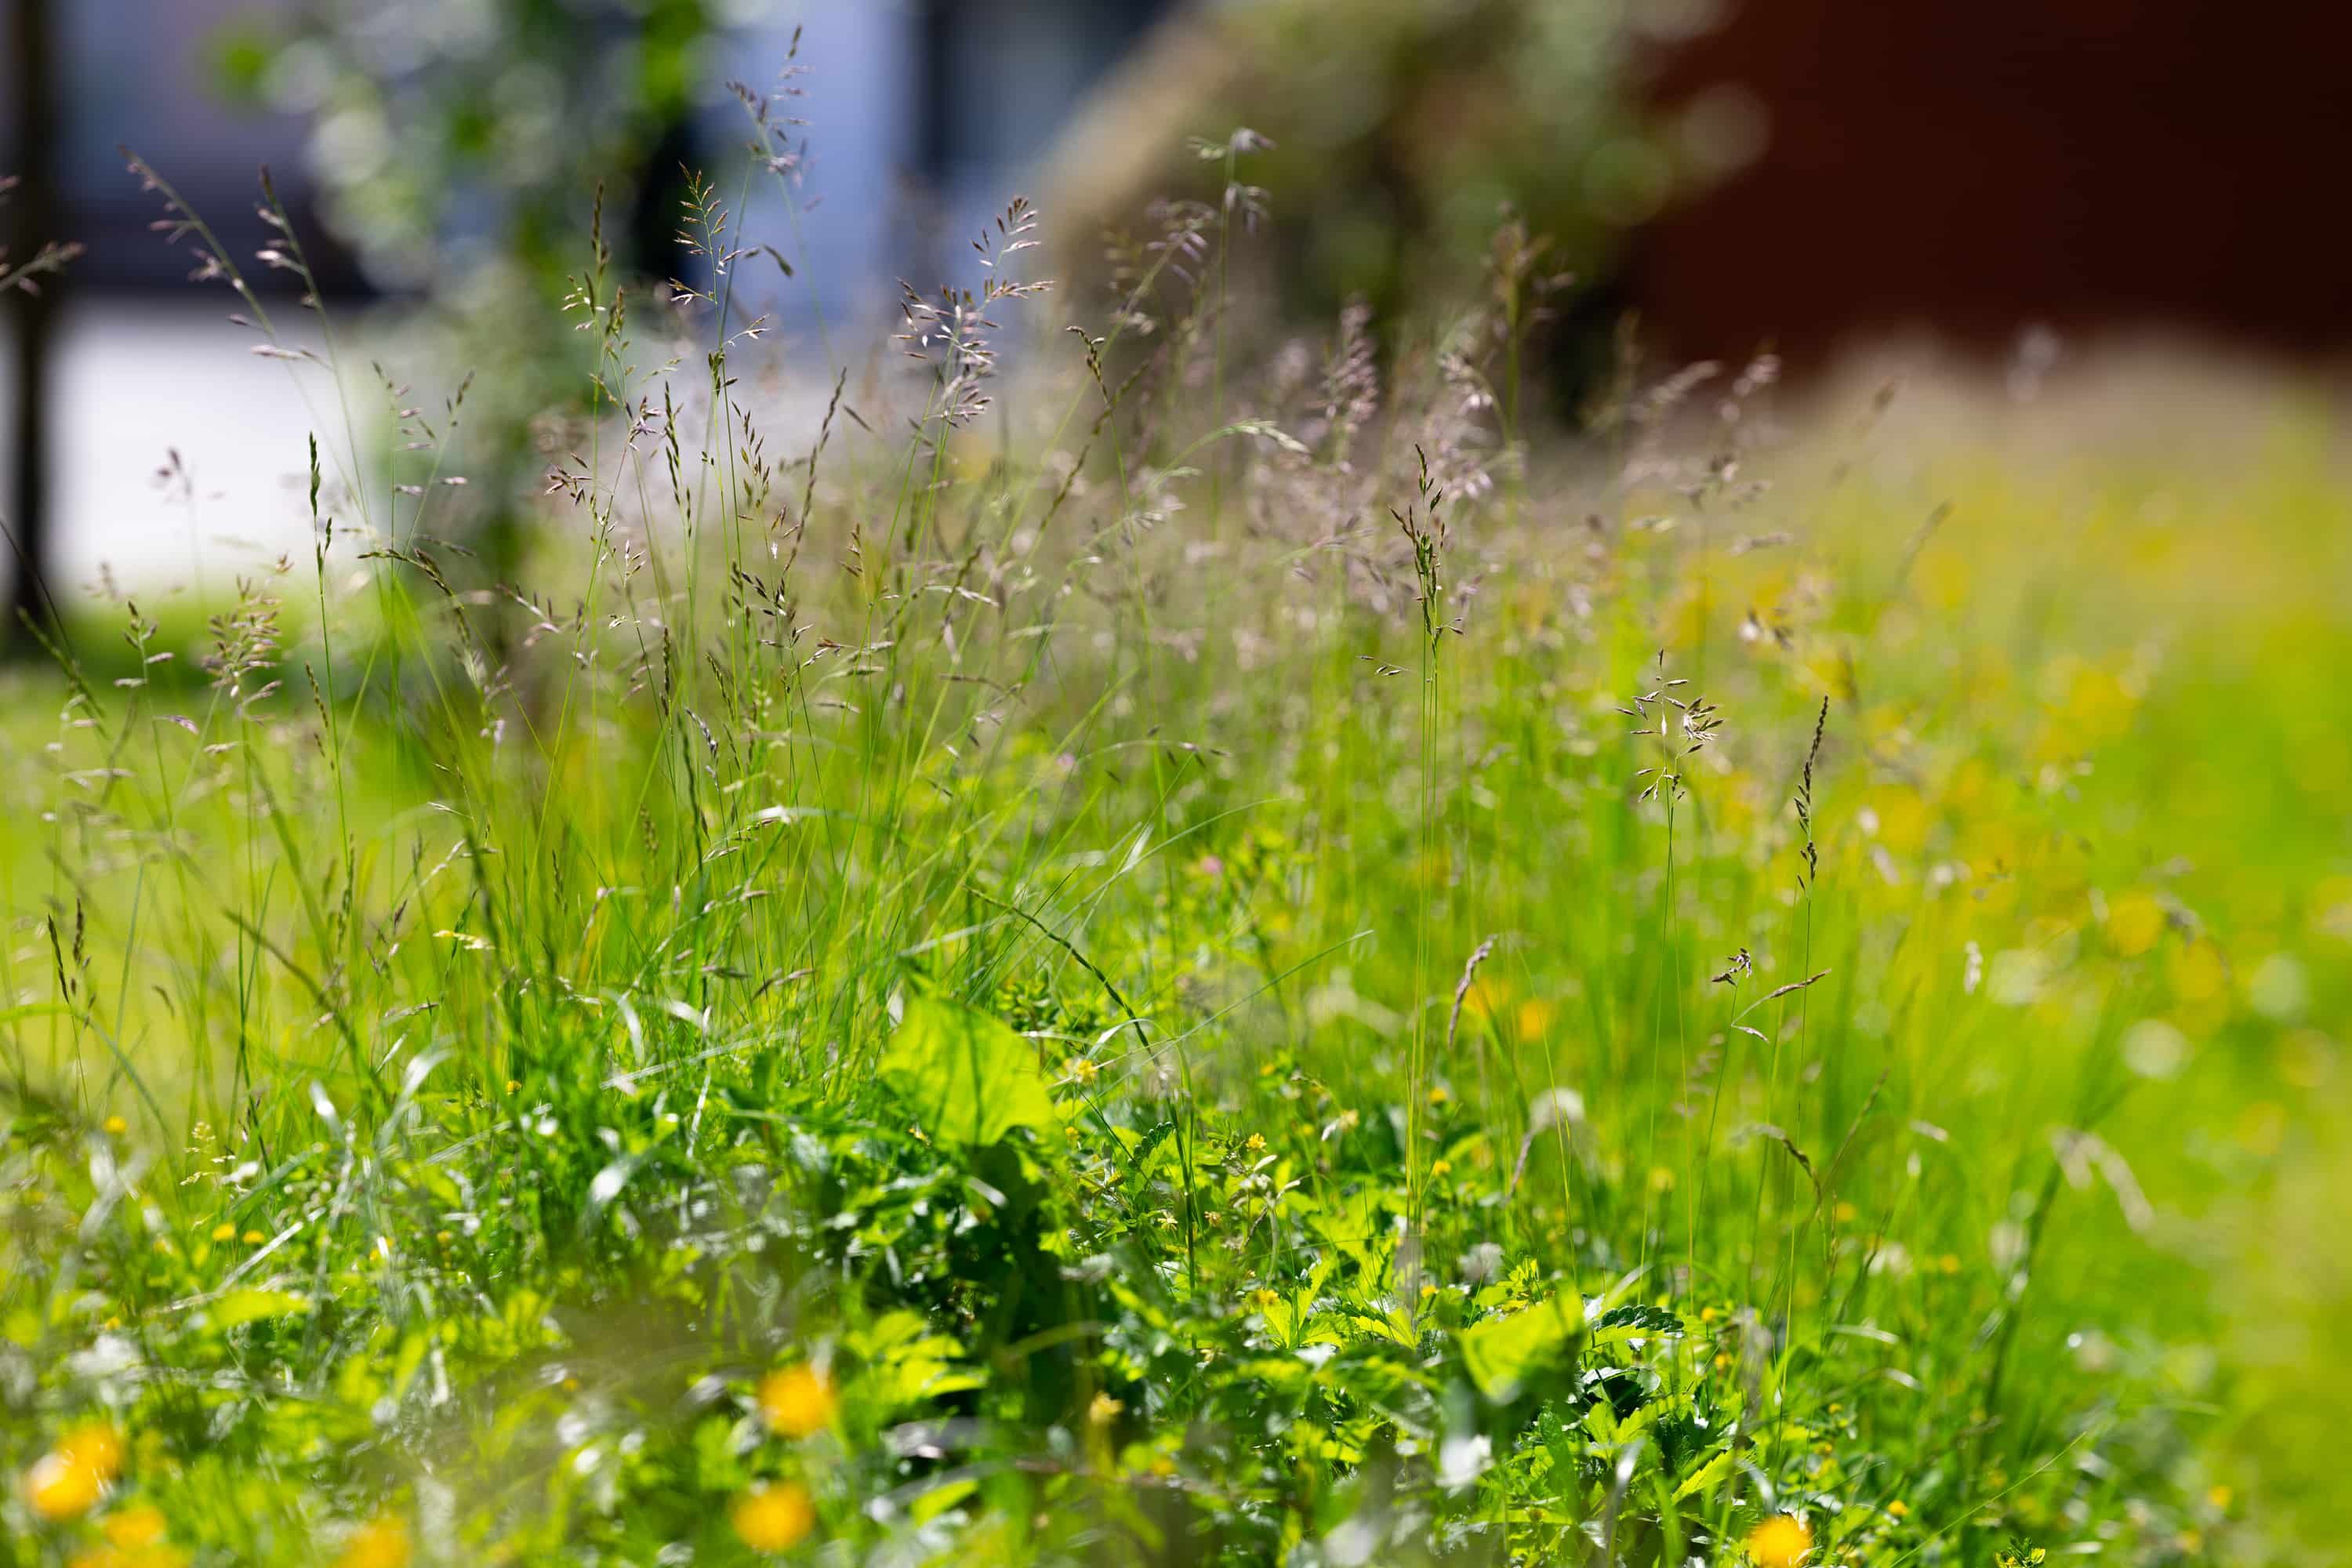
251,1306
1502,1353
941,1499
970,1079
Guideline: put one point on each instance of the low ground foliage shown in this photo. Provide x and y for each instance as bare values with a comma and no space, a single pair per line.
1199,966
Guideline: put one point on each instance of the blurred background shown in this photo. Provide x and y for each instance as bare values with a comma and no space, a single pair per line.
1999,177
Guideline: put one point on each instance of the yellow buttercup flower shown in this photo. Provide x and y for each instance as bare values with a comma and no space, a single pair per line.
2134,920
796,1401
116,1127
58,1489
773,1518
67,1481
1781,1541
95,1446
134,1539
141,1524
383,1542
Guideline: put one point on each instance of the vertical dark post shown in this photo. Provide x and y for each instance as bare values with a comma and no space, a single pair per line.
33,213
935,107
931,137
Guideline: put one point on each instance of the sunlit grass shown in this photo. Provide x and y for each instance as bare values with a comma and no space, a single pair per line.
1087,996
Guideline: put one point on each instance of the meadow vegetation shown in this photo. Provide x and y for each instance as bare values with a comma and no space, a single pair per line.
1210,957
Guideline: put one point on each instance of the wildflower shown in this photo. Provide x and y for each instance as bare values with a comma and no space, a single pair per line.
59,1488
796,1401
1103,1409
67,1481
382,1542
134,1539
1080,1070
2134,920
1439,1094
1256,1143
1898,1508
253,1238
1440,1169
1781,1541
772,1518
116,1127
224,1232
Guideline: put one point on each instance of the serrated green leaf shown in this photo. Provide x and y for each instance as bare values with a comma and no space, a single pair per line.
1633,1322
1502,1353
969,1077
1705,1476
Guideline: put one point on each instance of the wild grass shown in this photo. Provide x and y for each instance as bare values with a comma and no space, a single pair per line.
1184,964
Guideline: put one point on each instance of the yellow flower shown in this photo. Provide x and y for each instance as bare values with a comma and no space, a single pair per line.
1535,1017
2134,920
59,1488
1898,1508
116,1126
773,1518
1439,1094
1103,1409
67,1481
796,1401
134,1539
382,1542
1257,1144
141,1524
96,1446
224,1232
1781,1541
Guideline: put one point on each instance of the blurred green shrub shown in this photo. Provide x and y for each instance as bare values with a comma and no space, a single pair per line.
462,149
1401,132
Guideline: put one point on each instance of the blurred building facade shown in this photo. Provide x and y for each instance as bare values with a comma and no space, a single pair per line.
1970,167
921,114
1973,166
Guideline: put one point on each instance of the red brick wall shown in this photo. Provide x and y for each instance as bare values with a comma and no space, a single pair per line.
1975,165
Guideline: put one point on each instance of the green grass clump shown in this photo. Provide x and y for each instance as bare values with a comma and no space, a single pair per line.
1205,968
